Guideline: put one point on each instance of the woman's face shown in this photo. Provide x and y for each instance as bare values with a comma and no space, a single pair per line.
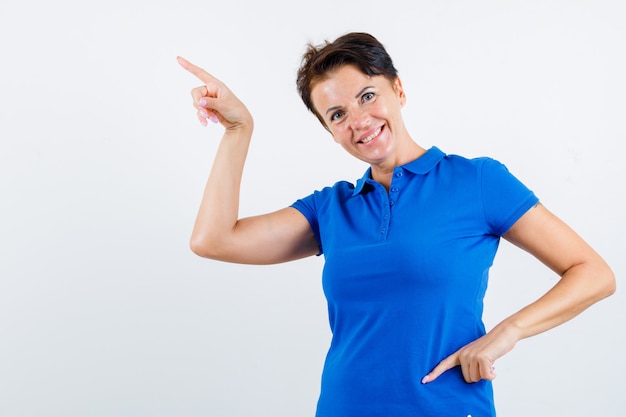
363,113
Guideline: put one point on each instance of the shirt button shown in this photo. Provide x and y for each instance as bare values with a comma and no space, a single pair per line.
394,189
399,174
392,202
383,231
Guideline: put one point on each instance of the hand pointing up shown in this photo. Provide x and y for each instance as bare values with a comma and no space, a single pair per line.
214,101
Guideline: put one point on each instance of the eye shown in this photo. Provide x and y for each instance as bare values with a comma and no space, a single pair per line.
336,116
368,96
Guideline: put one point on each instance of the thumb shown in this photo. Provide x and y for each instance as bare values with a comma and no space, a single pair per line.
443,366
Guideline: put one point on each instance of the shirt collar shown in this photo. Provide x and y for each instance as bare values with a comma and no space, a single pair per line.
420,166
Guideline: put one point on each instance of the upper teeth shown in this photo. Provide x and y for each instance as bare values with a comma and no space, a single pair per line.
372,136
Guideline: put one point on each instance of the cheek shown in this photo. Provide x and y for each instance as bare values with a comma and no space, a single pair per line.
340,135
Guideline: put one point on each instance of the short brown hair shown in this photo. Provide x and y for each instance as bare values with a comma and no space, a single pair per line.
356,48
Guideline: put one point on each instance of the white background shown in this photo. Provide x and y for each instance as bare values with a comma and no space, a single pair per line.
104,310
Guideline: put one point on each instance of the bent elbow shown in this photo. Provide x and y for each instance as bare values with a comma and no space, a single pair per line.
202,246
611,286
608,284
195,246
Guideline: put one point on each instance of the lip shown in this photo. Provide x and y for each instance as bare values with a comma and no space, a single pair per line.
370,132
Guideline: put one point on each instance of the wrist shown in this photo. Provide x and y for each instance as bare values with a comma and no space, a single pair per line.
511,330
242,127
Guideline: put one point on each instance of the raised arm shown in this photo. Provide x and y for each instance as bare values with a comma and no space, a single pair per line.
218,233
585,279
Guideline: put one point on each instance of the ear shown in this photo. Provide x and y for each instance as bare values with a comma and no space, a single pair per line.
397,86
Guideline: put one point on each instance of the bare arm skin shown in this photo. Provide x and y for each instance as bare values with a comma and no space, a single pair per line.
585,279
218,233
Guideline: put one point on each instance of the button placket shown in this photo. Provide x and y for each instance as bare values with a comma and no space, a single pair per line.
394,189
384,224
390,199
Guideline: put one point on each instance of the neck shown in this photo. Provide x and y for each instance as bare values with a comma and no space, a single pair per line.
382,173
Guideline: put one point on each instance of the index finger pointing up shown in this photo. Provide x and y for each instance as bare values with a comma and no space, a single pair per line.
201,74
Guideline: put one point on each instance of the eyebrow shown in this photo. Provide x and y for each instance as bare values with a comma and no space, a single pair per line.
356,96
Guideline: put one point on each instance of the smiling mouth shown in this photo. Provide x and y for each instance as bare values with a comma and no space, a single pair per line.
372,136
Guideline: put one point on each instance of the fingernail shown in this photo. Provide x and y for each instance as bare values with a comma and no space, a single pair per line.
425,379
214,119
204,114
202,102
203,122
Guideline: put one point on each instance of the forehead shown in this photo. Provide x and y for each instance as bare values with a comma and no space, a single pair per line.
345,75
342,84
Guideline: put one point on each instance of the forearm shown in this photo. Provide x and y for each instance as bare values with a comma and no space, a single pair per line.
579,287
219,207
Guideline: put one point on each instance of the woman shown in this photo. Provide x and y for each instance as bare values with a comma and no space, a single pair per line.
407,248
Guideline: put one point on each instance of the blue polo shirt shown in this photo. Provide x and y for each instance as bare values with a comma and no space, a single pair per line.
404,276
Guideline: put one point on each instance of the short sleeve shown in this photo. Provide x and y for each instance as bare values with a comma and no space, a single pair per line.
505,198
307,207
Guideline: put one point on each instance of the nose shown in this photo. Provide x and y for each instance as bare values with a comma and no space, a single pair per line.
360,119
